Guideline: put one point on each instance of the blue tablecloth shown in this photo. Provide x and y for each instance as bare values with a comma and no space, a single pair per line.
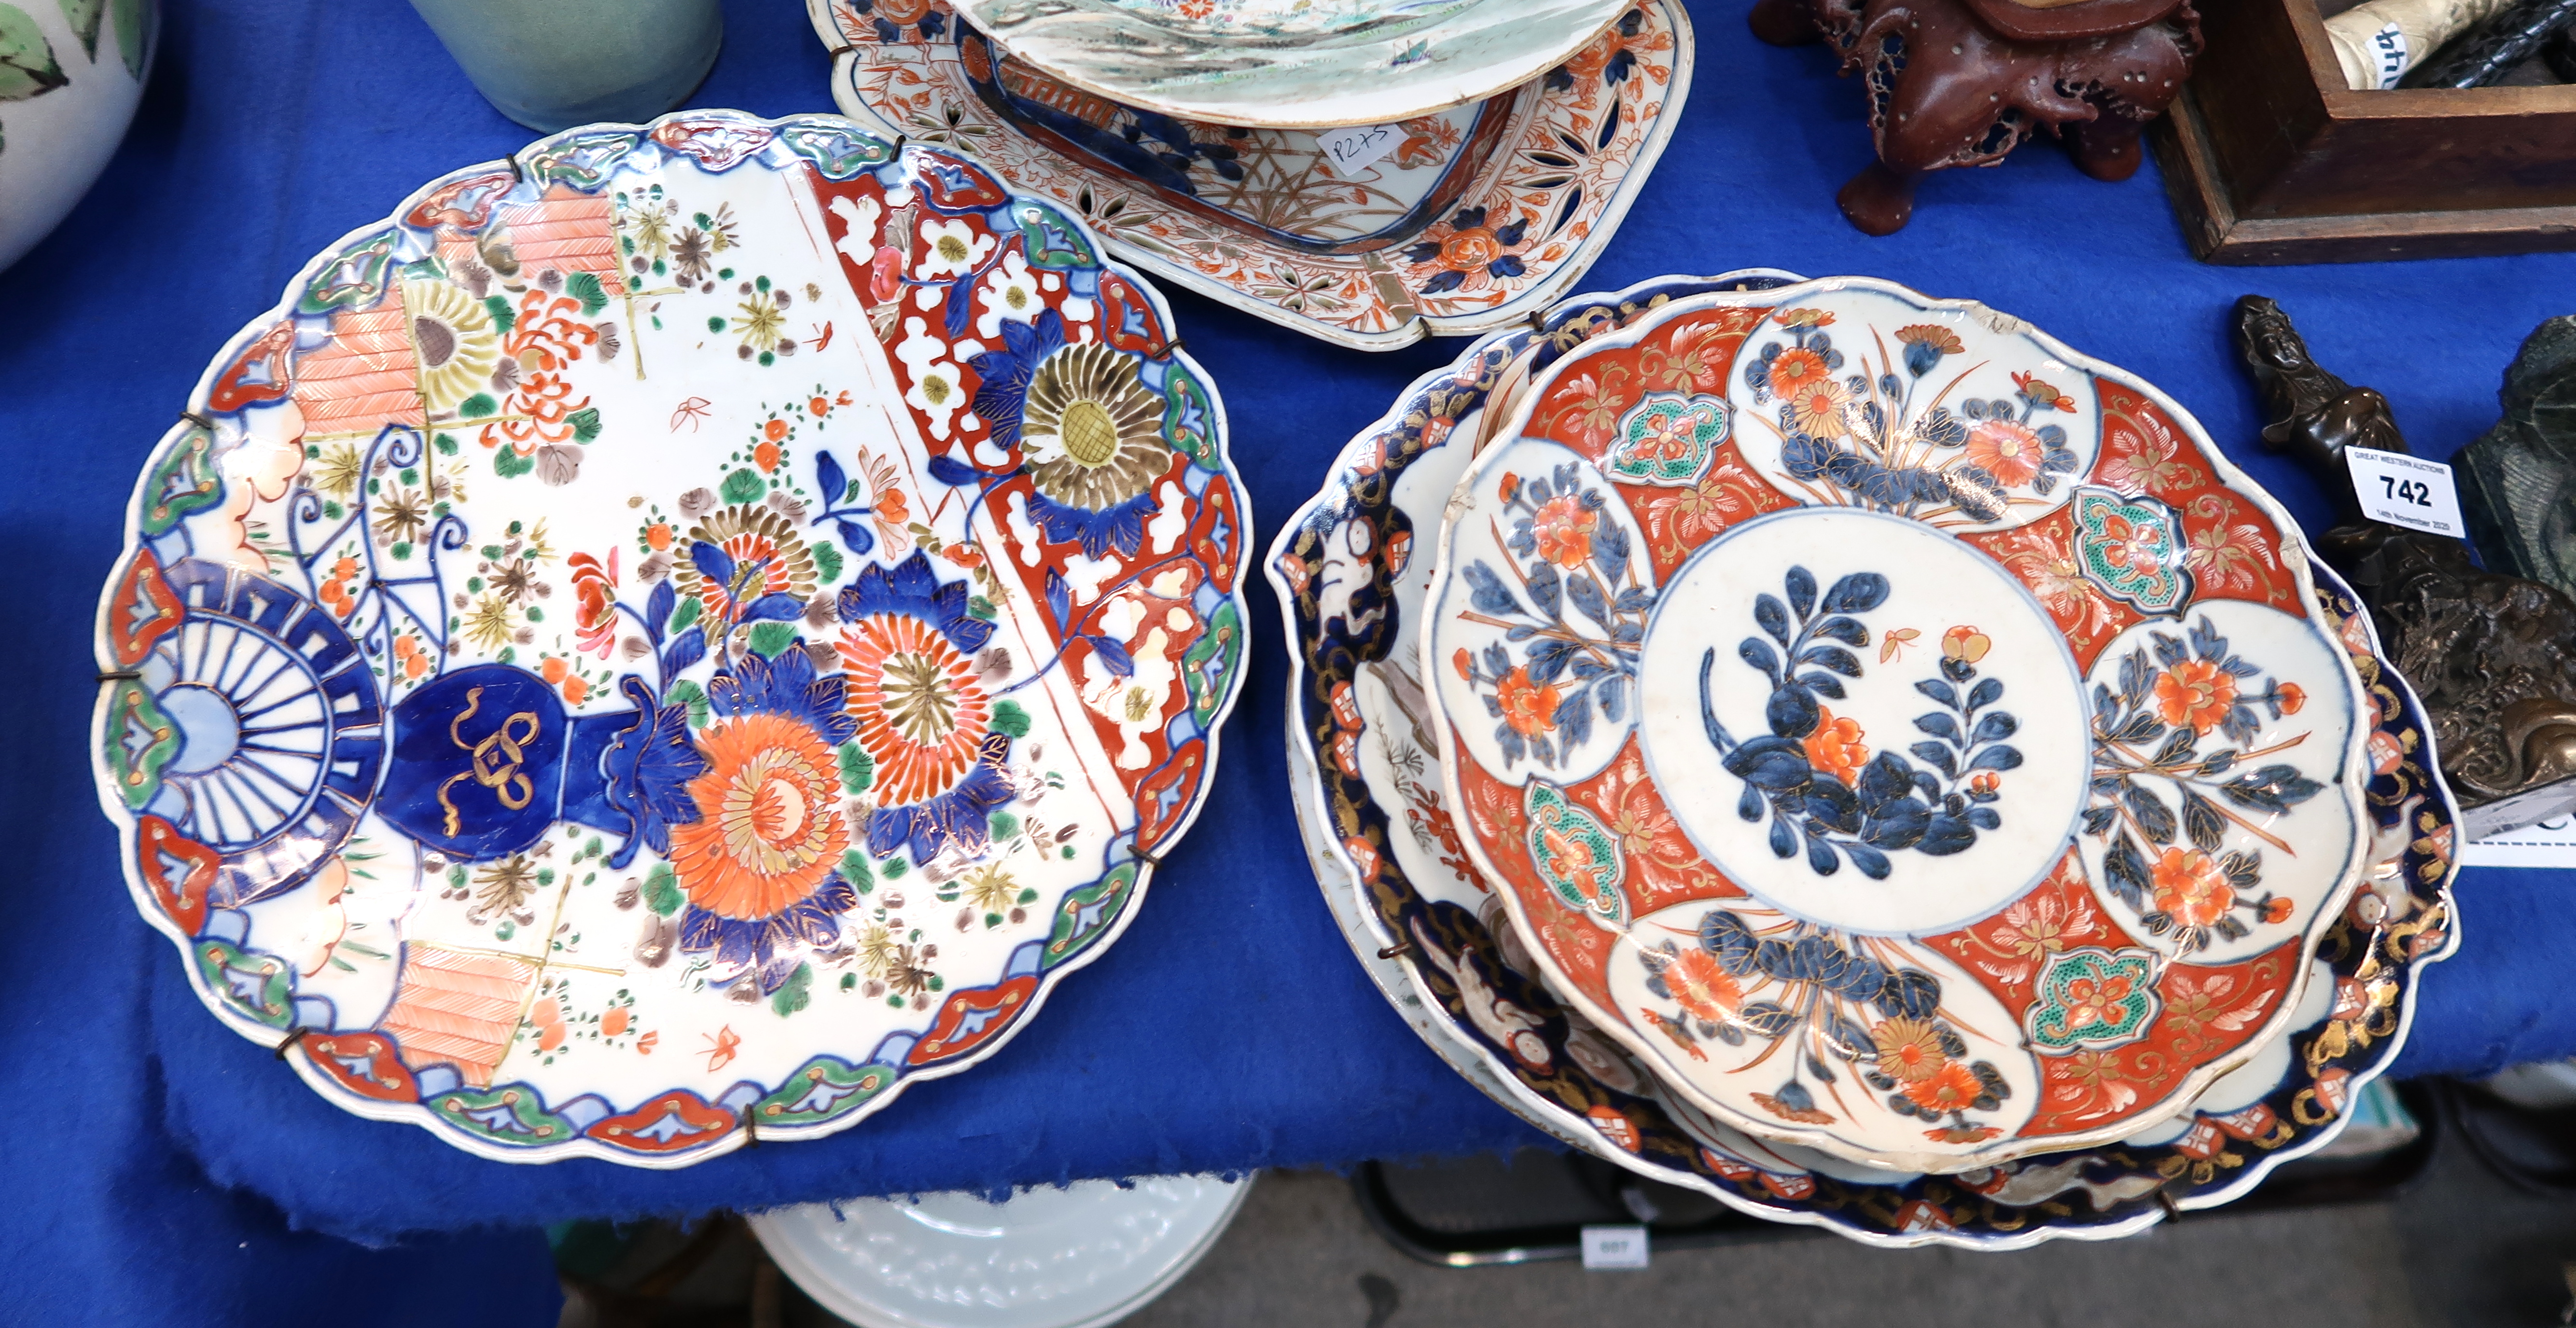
1229,1029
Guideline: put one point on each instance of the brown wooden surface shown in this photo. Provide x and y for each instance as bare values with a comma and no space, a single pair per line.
2271,160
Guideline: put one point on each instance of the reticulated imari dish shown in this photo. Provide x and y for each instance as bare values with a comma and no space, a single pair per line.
671,637
1287,63
1796,659
1386,850
1477,216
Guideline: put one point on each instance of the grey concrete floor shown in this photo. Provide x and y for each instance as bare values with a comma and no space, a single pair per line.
2458,1248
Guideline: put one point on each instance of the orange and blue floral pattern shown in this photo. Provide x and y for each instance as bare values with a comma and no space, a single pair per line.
1481,216
1499,1025
1829,798
1550,671
1873,417
2173,862
673,636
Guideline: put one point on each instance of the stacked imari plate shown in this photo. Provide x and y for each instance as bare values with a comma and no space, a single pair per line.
1851,754
1490,147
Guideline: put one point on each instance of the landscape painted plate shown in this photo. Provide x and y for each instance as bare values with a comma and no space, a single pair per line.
1289,64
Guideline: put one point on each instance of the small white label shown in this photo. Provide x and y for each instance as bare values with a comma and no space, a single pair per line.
2388,51
1347,151
1614,1247
2551,843
2404,491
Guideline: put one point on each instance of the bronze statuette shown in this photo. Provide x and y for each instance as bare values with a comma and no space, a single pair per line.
2493,656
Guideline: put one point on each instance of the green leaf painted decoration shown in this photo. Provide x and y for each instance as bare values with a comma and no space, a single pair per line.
135,20
84,15
27,66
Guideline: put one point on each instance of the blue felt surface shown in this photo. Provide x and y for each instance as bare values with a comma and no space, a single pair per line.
1230,1028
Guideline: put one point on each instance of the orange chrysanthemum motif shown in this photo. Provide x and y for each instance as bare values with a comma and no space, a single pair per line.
1835,747
1934,335
1909,1050
2195,692
2190,888
1952,1087
769,827
2007,450
1795,368
920,713
1701,986
1563,529
1527,706
1817,408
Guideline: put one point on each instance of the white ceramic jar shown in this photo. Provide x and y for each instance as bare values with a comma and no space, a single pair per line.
71,72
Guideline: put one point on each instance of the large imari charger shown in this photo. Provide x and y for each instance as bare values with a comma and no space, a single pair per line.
1798,655
1351,573
670,637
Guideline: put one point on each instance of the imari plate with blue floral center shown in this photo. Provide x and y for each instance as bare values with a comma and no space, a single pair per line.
671,637
1351,576
1792,649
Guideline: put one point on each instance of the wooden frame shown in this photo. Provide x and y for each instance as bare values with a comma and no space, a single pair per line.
2270,159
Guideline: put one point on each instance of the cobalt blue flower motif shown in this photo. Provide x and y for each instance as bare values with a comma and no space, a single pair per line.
771,945
646,772
1814,774
759,862
1007,373
786,685
910,587
1089,431
933,736
1469,248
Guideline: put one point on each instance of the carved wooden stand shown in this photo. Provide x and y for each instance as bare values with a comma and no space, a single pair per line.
1964,82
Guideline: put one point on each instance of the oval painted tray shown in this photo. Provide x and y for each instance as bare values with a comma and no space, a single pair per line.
1476,216
1927,667
671,636
1288,64
1385,851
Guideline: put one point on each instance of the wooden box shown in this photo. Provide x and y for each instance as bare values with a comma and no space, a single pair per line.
2271,159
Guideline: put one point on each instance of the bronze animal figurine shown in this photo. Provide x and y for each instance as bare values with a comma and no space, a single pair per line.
1964,82
2493,656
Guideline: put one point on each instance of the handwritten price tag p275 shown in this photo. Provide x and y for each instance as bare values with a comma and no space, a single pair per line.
1349,151
2405,491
